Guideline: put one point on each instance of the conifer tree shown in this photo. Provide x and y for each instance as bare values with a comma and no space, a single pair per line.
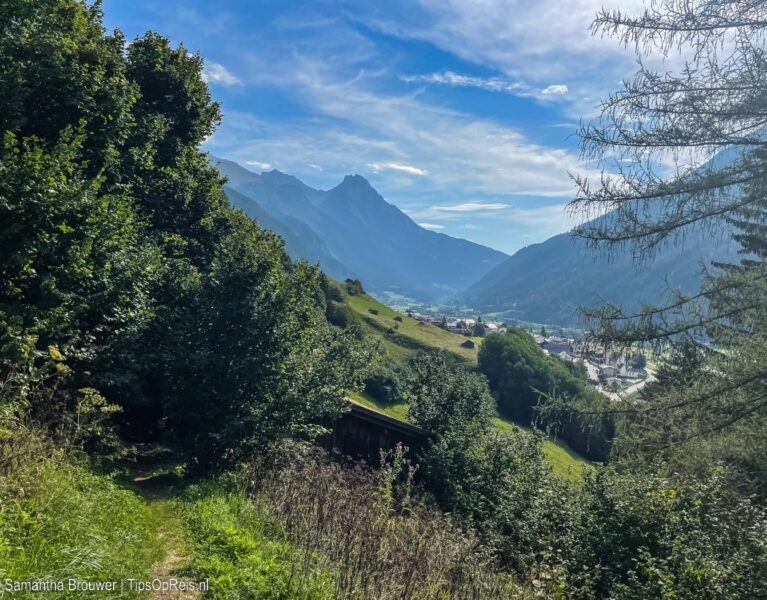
683,152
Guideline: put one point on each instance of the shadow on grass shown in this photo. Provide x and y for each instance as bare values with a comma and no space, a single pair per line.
156,473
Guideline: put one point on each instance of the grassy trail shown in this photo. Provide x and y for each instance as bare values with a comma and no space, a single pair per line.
155,484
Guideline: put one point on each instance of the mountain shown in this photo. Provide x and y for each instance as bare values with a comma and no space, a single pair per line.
547,282
351,231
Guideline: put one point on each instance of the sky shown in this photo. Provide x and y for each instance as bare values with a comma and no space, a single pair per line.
463,113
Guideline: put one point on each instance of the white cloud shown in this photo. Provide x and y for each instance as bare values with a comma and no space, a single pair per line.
355,127
493,84
472,207
216,73
432,226
258,164
525,41
555,90
392,166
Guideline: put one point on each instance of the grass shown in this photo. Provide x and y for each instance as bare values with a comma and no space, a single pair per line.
60,522
243,552
564,462
397,411
404,338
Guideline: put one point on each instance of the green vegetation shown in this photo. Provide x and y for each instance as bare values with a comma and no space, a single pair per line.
243,551
397,410
120,252
565,462
58,521
406,337
521,375
707,412
135,303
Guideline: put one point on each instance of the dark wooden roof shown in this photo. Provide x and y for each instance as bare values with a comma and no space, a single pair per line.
373,416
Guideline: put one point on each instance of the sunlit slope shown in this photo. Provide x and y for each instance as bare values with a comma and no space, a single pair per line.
407,334
564,461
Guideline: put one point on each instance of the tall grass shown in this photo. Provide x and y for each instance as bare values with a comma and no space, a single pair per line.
59,521
366,529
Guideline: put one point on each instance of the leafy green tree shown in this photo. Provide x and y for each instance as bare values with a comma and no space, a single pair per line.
354,287
121,252
522,376
59,70
442,394
578,369
74,273
520,373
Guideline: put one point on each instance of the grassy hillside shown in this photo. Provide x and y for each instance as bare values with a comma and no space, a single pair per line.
564,461
404,338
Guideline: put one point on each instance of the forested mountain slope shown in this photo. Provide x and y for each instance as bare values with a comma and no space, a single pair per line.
548,282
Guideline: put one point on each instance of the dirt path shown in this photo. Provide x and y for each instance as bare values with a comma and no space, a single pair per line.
170,533
154,481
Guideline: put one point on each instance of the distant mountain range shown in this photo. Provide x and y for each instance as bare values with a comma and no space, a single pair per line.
351,231
548,282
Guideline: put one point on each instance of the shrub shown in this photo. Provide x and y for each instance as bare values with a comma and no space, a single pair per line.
385,384
353,287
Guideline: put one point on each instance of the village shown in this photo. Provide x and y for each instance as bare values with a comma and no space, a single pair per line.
613,373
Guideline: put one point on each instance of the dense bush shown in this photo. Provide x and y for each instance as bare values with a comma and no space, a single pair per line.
386,384
442,394
353,287
520,375
648,537
119,250
612,536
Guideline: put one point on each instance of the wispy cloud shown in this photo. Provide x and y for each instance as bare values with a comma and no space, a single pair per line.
432,226
392,166
258,164
469,207
219,74
493,84
525,41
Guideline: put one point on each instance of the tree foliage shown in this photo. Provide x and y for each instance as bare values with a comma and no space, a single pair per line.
683,152
120,252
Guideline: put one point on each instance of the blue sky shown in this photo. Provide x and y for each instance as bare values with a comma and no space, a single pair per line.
460,112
